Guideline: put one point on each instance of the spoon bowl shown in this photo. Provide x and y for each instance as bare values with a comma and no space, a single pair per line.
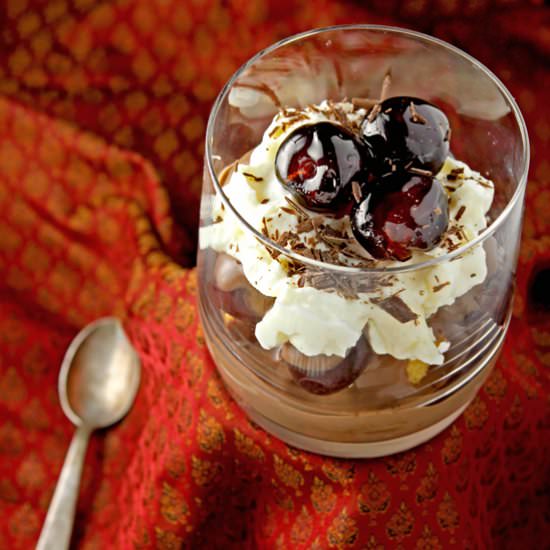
98,382
99,375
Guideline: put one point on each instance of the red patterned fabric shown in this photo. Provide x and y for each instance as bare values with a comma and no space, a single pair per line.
102,114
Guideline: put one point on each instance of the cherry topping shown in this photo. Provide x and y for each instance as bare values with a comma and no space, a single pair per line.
408,132
407,212
317,164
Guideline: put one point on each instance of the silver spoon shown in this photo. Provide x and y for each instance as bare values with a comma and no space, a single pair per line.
98,382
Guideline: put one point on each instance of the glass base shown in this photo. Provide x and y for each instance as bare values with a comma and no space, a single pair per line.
354,431
354,450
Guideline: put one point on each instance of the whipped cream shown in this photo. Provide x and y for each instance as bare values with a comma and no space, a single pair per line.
325,322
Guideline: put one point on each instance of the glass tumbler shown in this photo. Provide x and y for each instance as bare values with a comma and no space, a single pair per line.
364,403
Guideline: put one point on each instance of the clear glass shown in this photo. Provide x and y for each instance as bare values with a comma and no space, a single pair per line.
381,411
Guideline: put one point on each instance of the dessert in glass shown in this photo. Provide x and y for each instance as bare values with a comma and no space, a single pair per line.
360,223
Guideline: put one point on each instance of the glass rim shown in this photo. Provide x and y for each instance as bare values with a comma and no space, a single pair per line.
481,237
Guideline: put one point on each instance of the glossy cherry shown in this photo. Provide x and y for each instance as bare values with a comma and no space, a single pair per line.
408,132
317,164
406,212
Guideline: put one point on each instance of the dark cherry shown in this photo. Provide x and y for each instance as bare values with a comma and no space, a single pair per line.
322,374
407,212
317,164
408,132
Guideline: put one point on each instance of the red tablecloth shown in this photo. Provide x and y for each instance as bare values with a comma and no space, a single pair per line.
102,115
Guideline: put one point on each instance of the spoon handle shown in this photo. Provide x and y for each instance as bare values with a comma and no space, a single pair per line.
58,526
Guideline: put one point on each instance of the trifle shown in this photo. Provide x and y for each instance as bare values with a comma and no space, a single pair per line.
358,239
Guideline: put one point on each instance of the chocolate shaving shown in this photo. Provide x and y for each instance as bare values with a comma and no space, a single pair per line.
331,283
295,268
296,207
308,253
318,222
346,286
264,201
460,212
305,226
331,232
335,239
252,176
226,172
374,112
356,191
288,210
397,308
416,117
350,253
386,83
315,108
450,246
363,102
284,237
339,115
264,228
337,72
437,288
483,184
264,88
420,171
455,173
368,284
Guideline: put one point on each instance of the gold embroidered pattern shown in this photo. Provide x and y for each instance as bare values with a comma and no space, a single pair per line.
514,416
340,471
402,465
302,528
287,474
496,385
216,392
322,496
374,496
447,515
173,507
428,541
428,485
246,446
452,447
343,531
204,471
175,463
476,414
210,433
166,540
400,524
31,474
